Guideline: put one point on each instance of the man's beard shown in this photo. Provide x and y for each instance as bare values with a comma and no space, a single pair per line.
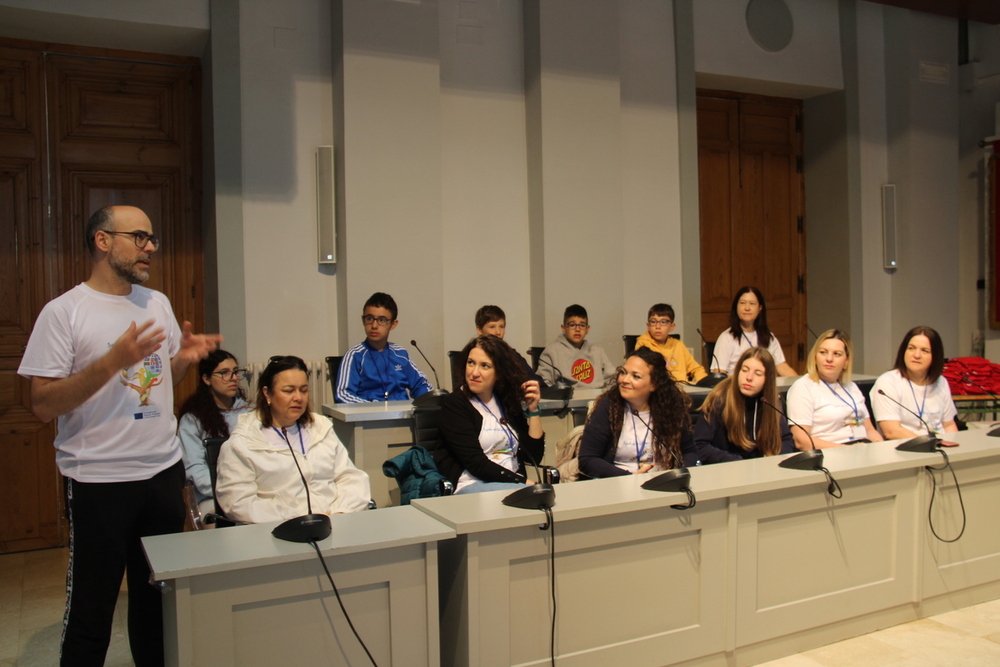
127,270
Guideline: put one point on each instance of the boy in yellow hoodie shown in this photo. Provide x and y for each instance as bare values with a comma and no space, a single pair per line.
680,363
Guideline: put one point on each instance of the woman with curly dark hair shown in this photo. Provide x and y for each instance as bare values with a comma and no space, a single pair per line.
210,412
487,434
733,424
640,423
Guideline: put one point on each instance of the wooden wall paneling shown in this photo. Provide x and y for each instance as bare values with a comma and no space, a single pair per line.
126,133
753,238
30,488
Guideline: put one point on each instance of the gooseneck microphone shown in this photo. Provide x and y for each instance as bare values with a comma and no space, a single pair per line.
676,480
811,459
806,325
561,390
437,391
921,443
714,377
538,496
309,527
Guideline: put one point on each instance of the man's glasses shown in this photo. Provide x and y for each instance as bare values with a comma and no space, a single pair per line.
382,321
659,323
140,238
228,374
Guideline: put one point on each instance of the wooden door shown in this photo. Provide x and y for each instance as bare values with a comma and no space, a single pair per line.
120,130
30,493
751,202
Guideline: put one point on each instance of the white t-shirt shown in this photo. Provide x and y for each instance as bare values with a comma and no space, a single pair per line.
728,350
835,412
932,402
126,431
499,441
635,442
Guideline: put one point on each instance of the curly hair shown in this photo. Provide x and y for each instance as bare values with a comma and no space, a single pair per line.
669,410
759,324
509,372
727,394
202,404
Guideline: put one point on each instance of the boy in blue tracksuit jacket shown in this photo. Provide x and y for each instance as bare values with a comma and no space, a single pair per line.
375,369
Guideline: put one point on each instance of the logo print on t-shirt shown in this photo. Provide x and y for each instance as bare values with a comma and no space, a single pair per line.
147,377
582,371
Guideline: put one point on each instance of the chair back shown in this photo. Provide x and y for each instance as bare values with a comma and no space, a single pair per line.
709,353
629,341
535,353
455,358
333,370
212,448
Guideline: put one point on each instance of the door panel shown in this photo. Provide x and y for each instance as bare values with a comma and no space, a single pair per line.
118,132
750,192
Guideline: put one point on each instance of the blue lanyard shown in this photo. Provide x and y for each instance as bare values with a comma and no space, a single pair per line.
922,403
746,337
853,404
284,436
502,422
639,449
382,371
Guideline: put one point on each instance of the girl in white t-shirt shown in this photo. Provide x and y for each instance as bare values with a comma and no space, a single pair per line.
917,383
748,328
824,403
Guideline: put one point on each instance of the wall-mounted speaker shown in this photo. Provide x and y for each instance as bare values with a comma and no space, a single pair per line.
326,209
889,260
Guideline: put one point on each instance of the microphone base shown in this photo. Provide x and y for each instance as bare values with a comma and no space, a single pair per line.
811,459
430,399
305,528
921,443
557,392
532,497
711,380
672,481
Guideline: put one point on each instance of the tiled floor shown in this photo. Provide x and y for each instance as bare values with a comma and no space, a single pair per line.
32,599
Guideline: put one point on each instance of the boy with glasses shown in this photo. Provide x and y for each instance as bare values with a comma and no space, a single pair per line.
680,364
572,357
375,369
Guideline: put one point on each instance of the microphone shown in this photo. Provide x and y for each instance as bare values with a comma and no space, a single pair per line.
308,527
713,378
806,325
676,480
995,432
561,389
538,496
433,397
921,443
811,459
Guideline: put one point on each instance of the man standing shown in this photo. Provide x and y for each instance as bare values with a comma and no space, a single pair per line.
104,358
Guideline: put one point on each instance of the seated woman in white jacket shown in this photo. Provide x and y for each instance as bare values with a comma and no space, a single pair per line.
257,478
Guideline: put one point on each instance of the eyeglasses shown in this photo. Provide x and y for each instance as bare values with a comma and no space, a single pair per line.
228,374
659,323
576,325
140,238
382,321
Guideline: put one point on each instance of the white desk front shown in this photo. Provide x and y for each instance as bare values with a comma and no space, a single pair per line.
239,597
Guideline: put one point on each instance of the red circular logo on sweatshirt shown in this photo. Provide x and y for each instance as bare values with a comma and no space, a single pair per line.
582,371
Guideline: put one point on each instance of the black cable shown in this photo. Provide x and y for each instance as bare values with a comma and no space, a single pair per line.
930,508
691,500
341,602
833,488
552,581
